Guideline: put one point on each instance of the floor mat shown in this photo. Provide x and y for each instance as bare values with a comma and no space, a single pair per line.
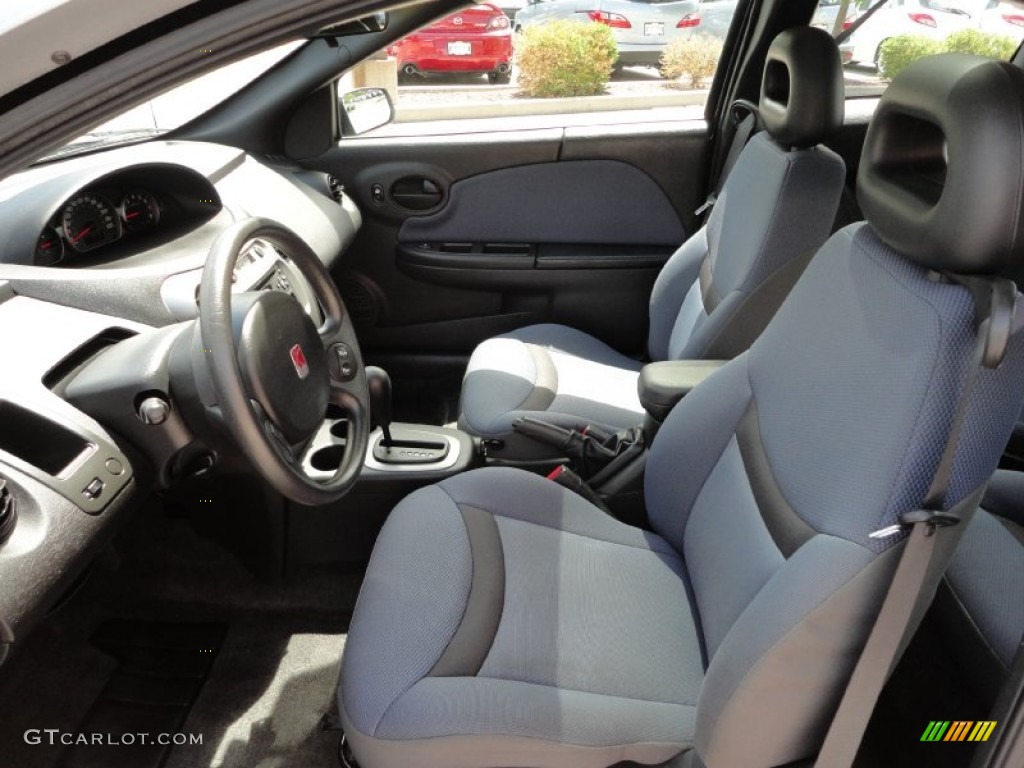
266,698
161,668
269,679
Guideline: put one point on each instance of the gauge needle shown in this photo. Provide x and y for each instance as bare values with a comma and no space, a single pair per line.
132,215
82,234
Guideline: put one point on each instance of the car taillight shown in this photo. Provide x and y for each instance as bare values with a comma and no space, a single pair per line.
1014,18
688,21
614,20
923,18
498,22
848,23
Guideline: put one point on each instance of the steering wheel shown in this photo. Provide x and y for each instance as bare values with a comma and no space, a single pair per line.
273,371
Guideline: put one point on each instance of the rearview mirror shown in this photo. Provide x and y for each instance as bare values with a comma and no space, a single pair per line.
366,25
364,109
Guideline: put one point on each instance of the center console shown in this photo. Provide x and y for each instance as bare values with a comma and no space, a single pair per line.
399,459
417,452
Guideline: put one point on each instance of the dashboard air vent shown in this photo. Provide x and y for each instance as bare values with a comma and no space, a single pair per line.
8,512
336,187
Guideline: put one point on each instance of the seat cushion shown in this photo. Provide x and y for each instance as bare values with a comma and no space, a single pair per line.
593,656
552,372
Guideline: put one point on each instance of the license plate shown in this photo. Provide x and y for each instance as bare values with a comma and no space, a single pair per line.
654,29
460,49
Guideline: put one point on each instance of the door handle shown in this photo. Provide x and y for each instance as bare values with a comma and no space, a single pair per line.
416,193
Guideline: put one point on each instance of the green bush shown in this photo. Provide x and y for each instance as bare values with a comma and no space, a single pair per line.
981,44
565,58
695,58
896,53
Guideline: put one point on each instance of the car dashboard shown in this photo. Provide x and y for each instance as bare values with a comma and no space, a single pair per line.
93,251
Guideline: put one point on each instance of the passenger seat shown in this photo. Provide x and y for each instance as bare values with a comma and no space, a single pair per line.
716,294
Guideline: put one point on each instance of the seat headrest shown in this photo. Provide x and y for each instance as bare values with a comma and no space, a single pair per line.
802,96
941,176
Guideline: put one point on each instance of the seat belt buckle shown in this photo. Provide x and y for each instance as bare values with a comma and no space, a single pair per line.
709,203
930,517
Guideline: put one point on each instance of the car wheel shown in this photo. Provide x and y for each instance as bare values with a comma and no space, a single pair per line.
499,78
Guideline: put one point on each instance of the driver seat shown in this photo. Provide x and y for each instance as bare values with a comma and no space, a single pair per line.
505,621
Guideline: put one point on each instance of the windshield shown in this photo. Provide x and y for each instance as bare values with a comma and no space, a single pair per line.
176,107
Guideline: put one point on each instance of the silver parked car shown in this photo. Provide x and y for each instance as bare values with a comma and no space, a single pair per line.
642,28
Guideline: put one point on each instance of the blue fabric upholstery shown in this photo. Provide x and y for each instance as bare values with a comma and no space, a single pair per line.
596,612
549,371
986,576
599,646
851,444
777,206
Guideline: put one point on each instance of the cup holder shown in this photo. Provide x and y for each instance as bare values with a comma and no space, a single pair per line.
339,429
328,459
335,412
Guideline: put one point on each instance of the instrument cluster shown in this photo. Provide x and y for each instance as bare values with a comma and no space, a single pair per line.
96,219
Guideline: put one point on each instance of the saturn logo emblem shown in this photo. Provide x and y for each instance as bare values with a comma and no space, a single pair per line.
299,361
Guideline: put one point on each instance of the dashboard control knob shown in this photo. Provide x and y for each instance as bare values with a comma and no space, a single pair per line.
154,411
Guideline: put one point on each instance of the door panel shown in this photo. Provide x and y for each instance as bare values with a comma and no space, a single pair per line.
471,235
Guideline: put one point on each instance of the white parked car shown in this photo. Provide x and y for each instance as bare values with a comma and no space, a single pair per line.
1002,18
928,18
642,29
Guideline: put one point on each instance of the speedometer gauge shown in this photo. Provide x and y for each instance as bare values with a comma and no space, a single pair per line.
89,222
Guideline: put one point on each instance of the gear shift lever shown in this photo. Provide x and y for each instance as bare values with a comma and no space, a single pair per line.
379,384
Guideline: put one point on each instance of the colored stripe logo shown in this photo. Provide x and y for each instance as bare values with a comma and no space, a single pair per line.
959,730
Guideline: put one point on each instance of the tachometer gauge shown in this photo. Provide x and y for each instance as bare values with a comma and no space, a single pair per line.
89,222
140,210
49,248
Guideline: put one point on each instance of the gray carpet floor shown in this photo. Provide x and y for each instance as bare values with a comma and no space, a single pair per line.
270,686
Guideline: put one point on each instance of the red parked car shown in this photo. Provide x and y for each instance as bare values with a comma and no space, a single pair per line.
477,39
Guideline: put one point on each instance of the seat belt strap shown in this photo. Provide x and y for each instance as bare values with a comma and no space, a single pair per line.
748,122
934,534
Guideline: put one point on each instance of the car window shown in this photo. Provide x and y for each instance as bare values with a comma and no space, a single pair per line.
551,63
902,31
177,106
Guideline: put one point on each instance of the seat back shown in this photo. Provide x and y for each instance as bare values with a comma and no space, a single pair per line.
770,477
719,290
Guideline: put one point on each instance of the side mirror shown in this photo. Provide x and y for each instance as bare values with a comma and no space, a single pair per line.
364,109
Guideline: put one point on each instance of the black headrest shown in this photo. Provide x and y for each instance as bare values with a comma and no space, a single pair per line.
941,176
802,95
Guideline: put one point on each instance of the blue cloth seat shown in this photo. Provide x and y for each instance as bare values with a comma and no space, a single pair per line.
714,295
506,622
